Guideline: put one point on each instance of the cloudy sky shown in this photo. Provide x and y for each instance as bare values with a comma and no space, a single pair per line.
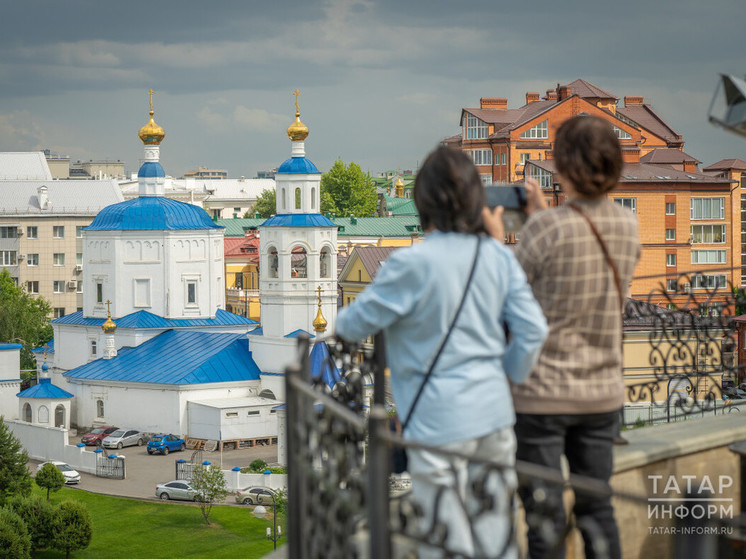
382,81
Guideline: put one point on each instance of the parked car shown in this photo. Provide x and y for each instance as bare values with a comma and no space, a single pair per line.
165,444
177,489
256,495
95,436
732,392
71,475
122,437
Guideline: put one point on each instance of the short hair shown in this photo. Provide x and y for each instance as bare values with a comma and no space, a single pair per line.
449,194
587,153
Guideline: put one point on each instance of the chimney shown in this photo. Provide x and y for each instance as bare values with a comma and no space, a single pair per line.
563,92
551,95
493,103
41,193
532,96
633,100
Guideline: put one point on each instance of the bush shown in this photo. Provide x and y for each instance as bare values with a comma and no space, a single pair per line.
73,527
15,542
257,466
39,517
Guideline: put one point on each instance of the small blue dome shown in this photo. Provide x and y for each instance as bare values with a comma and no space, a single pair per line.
297,165
151,213
151,169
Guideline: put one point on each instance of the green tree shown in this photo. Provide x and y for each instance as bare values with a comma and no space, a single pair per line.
73,527
346,190
39,517
210,485
257,466
14,476
23,319
266,204
50,478
15,542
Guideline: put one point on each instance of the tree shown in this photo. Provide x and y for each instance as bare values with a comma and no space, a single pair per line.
50,478
73,527
210,485
346,190
257,466
15,542
266,204
23,319
39,517
14,476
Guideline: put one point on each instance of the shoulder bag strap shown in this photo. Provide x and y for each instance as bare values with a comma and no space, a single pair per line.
445,338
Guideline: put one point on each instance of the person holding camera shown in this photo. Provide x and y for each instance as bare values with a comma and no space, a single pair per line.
443,304
579,259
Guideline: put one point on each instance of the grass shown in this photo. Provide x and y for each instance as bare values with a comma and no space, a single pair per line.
130,529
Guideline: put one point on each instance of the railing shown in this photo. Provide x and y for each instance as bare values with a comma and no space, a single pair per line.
344,503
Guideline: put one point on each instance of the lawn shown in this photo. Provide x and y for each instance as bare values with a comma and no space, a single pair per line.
129,528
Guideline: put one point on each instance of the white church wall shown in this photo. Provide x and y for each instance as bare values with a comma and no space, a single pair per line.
10,361
273,354
51,443
8,399
275,382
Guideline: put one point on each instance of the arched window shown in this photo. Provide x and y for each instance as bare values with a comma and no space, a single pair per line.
59,416
99,408
43,414
325,261
297,198
266,393
298,263
273,262
27,412
313,198
284,199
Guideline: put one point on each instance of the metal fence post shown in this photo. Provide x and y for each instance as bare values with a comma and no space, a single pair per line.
378,489
379,375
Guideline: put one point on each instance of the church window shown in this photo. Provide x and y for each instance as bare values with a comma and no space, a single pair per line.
142,292
299,263
43,414
313,198
284,199
27,412
59,416
94,348
297,198
324,262
273,262
99,408
191,293
99,292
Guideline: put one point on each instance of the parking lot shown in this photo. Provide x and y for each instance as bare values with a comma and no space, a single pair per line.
144,471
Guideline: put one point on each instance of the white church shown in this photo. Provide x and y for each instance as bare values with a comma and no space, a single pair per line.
153,348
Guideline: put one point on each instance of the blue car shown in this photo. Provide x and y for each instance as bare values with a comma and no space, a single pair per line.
165,444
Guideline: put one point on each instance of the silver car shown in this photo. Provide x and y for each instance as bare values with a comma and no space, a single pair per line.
177,489
121,438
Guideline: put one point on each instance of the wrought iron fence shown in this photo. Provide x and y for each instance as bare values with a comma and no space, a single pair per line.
344,503
184,469
111,466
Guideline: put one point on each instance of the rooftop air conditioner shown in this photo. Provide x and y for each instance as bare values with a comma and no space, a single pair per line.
79,268
21,256
20,232
72,285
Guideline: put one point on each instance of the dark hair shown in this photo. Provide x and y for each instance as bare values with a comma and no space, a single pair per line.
588,154
448,193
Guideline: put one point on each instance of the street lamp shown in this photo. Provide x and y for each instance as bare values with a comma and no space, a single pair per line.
274,533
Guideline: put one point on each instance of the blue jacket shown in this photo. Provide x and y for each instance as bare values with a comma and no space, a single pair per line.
414,298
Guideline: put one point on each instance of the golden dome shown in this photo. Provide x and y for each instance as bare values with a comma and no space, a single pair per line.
297,132
151,133
109,327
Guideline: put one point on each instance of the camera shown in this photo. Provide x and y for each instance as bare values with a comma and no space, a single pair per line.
512,197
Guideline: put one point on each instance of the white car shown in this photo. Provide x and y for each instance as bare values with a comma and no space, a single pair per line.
71,475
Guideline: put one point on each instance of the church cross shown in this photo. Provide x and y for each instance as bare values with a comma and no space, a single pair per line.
319,290
108,308
297,107
151,93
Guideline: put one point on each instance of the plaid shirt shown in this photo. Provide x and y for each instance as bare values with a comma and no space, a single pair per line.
580,368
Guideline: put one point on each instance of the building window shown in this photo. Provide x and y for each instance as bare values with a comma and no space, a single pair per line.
505,159
59,259
670,208
476,129
32,287
525,157
670,260
297,198
59,312
8,258
708,234
9,232
59,286
99,292
313,198
707,208
543,177
32,232
325,260
671,284
99,408
670,234
32,259
481,157
79,231
629,203
708,281
621,134
486,179
58,231
94,348
79,285
541,130
298,263
79,258
708,257
191,292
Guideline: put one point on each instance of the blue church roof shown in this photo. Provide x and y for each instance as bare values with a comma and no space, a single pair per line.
45,390
145,319
151,169
151,213
322,365
179,358
296,165
299,220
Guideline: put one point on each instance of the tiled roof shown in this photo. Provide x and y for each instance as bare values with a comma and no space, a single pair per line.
297,165
24,165
401,206
84,197
151,213
45,390
582,88
237,227
242,247
372,257
646,172
664,156
647,118
179,358
725,164
144,319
